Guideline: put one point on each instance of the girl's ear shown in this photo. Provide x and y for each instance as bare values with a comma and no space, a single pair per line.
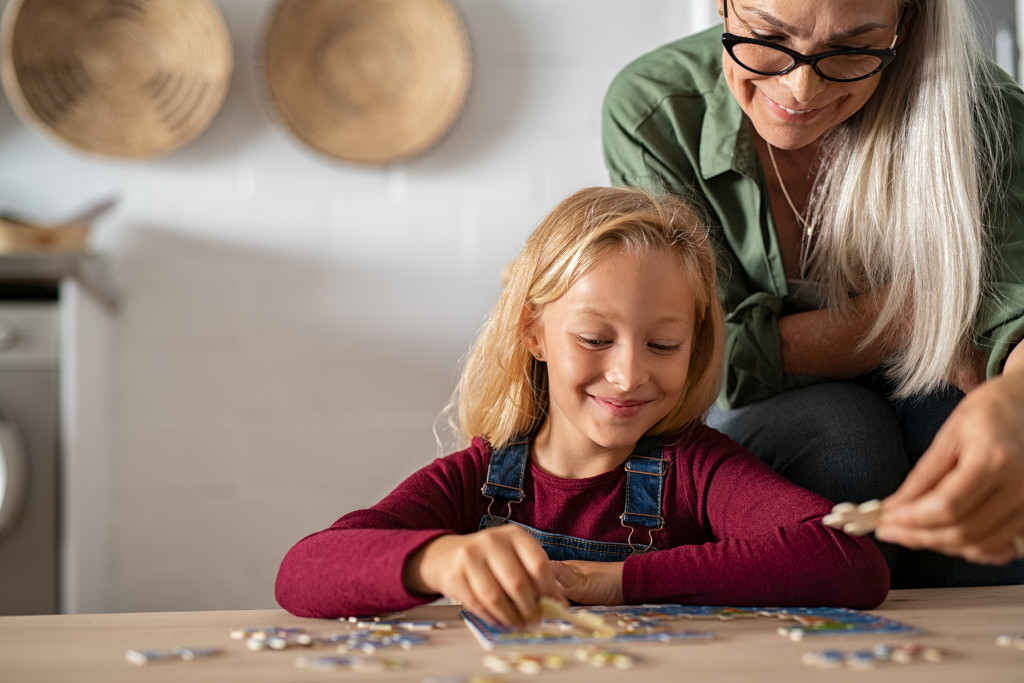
528,329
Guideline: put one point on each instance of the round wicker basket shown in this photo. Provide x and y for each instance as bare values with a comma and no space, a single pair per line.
121,78
366,81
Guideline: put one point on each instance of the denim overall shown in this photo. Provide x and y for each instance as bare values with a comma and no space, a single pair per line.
645,476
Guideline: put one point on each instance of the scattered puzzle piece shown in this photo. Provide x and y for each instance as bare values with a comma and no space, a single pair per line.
869,659
523,663
142,657
461,678
1013,641
825,659
601,657
855,520
370,641
352,662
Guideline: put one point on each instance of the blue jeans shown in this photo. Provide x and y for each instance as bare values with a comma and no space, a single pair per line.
847,441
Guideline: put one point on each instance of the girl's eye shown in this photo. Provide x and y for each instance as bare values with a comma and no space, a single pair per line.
665,348
592,343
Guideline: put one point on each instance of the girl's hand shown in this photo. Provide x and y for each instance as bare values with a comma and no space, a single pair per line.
590,583
498,573
966,495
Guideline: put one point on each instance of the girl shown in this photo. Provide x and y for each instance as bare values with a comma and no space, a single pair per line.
589,475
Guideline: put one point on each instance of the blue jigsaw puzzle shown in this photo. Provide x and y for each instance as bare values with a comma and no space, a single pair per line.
658,623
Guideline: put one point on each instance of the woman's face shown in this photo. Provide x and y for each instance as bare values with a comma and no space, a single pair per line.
795,109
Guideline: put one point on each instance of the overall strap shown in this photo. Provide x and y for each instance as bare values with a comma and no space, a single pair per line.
505,474
645,479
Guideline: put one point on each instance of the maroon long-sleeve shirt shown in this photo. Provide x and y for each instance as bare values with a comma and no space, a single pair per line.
736,533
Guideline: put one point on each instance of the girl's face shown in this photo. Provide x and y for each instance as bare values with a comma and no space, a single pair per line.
795,109
617,346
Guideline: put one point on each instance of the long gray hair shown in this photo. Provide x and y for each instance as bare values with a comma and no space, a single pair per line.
900,196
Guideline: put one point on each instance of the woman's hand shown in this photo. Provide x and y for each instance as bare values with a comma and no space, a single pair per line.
966,494
590,583
498,573
968,371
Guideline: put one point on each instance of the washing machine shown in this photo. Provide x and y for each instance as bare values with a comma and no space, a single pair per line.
29,463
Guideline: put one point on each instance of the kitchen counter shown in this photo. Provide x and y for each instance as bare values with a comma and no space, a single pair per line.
91,269
85,648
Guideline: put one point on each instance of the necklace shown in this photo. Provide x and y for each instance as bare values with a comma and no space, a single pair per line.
808,229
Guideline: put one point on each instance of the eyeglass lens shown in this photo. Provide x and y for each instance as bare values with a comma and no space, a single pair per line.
769,60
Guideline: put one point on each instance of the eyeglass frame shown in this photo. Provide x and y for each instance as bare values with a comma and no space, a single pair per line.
886,56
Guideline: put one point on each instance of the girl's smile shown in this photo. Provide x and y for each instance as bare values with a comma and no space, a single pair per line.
619,407
617,348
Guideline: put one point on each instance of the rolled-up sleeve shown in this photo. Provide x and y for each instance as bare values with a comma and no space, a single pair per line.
1000,322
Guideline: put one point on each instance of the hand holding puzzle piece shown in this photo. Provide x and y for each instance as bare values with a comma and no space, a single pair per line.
585,621
855,520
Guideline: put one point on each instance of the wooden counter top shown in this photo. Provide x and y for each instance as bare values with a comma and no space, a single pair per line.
86,648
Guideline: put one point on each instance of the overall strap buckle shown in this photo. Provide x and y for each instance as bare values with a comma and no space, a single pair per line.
651,528
498,521
645,479
505,473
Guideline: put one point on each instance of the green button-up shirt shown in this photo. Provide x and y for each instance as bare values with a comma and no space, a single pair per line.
671,122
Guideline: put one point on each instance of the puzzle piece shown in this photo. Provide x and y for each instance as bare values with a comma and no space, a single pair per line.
855,520
369,640
1014,641
461,678
601,657
523,663
351,662
869,659
585,621
275,638
142,657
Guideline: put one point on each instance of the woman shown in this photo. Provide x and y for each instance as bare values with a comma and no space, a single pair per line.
863,168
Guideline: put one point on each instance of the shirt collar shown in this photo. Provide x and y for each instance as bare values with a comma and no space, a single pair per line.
726,144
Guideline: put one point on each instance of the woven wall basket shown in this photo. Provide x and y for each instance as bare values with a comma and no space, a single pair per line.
121,78
366,81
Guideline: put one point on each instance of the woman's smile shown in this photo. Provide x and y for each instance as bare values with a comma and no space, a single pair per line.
796,114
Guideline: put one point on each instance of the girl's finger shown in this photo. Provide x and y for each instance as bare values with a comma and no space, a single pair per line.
460,590
536,563
515,582
489,594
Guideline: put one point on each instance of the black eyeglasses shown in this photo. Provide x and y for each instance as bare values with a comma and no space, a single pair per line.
768,59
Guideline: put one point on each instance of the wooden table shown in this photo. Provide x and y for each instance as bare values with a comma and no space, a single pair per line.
87,648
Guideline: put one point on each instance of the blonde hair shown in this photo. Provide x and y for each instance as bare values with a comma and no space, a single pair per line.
503,391
900,194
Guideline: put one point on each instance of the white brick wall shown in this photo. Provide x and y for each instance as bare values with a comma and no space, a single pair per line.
291,326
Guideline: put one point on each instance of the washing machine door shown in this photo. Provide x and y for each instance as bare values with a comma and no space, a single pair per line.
13,477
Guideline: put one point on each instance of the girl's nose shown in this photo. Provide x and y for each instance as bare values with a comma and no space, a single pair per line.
626,368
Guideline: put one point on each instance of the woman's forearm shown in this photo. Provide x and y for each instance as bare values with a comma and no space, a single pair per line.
825,343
